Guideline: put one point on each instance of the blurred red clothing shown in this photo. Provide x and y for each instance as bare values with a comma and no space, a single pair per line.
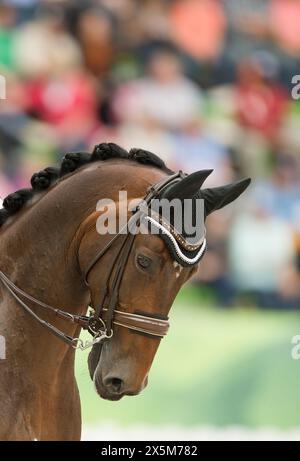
66,102
261,107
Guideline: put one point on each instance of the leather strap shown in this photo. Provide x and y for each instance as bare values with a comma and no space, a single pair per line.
142,323
63,336
119,271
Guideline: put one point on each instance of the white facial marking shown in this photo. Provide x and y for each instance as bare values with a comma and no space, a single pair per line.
178,268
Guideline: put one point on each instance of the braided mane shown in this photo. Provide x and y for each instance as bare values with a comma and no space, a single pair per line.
44,179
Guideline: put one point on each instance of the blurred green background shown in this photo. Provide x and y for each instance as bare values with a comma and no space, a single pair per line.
219,367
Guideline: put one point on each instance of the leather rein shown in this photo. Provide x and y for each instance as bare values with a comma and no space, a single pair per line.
102,318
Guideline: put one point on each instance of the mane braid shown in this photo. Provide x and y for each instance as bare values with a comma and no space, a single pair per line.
46,178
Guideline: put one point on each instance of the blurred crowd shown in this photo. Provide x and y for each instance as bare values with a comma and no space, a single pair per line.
202,83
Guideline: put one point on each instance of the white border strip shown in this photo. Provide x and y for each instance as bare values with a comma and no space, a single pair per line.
176,246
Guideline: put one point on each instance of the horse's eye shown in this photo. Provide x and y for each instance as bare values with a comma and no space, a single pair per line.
144,262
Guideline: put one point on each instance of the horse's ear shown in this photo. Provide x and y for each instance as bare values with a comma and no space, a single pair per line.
218,197
188,186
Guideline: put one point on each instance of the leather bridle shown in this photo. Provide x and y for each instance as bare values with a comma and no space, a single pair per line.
103,316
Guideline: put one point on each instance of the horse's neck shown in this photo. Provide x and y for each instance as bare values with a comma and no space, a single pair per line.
37,253
36,257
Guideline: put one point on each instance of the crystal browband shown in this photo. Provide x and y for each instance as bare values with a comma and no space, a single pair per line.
174,243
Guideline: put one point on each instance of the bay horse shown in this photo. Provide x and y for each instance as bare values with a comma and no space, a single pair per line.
54,265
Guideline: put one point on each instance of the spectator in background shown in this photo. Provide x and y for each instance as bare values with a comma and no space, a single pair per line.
59,91
284,23
150,27
281,194
156,98
67,103
268,25
148,108
95,35
194,149
261,101
263,240
44,47
261,105
262,254
284,17
247,27
215,274
198,27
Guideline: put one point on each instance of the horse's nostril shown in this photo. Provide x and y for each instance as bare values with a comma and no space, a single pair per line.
114,385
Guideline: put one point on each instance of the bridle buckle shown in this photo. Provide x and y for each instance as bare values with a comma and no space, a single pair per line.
78,343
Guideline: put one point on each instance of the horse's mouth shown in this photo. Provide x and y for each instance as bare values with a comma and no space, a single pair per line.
112,397
102,392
